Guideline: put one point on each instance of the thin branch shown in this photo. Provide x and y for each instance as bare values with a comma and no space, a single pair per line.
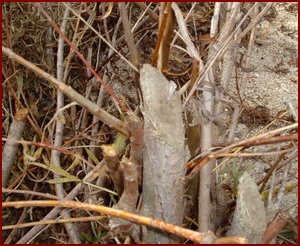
134,55
136,218
215,20
255,20
92,175
269,140
275,227
55,155
144,7
244,81
185,34
185,20
48,222
164,49
105,117
161,32
103,39
198,164
218,54
30,192
39,6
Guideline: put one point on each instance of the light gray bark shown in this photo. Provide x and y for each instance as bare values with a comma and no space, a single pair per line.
164,153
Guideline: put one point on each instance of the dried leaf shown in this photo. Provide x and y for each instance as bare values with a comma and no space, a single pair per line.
75,162
56,170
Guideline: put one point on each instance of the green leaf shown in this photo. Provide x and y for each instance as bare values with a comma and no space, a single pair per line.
120,143
87,237
113,199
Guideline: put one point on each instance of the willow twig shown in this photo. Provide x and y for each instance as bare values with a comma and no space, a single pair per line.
198,164
48,222
274,228
150,12
164,49
29,192
38,5
194,236
134,55
55,211
105,117
55,155
161,32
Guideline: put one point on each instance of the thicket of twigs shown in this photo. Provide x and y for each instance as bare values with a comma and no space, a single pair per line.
72,121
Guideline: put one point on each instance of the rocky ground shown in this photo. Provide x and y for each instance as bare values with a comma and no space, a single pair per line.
274,85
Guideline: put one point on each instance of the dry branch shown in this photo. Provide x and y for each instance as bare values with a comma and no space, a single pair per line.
161,225
274,227
59,129
103,39
161,32
164,49
143,6
134,55
105,117
223,47
38,5
92,175
198,164
48,222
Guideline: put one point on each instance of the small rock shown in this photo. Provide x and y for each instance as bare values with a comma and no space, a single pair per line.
249,218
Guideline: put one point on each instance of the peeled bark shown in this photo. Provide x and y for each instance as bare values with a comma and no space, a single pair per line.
164,155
